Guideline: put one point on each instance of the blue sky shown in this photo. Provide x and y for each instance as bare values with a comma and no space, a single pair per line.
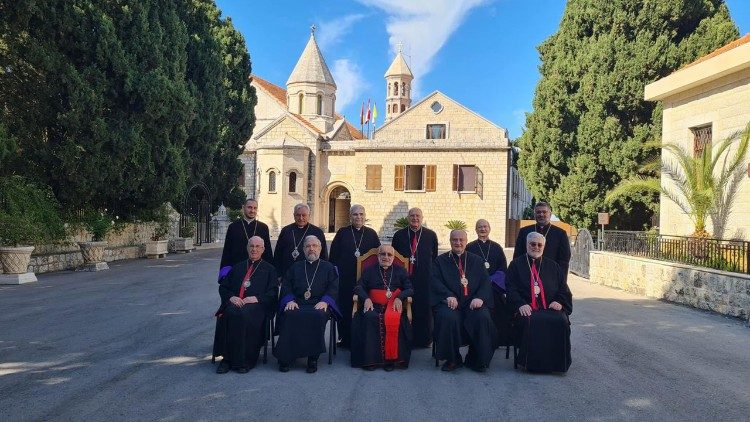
481,53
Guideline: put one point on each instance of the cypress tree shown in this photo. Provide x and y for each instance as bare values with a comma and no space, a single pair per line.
589,122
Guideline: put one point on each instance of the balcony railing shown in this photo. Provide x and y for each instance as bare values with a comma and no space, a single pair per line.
725,255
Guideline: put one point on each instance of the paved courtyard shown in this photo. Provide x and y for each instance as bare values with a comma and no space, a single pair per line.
133,343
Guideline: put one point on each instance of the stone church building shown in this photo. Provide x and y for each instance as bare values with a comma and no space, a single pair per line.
435,154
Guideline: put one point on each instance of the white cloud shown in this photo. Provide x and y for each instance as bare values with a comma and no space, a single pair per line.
333,31
423,26
349,82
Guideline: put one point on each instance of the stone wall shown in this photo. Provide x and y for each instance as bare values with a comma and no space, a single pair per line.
719,291
71,260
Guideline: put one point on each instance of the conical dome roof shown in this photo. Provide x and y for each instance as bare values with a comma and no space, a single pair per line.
399,67
311,67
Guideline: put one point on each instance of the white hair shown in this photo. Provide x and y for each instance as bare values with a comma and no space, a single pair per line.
300,206
311,238
535,235
356,207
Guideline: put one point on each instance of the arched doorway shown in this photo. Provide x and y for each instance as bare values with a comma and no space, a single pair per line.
196,211
339,202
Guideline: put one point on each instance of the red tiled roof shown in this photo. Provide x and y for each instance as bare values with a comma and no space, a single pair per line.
276,91
734,44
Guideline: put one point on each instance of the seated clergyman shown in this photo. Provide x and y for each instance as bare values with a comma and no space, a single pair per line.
381,331
248,297
537,288
461,300
308,294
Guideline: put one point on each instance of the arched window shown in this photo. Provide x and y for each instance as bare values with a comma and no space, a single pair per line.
272,181
389,88
292,182
395,88
299,107
403,107
319,105
395,108
403,89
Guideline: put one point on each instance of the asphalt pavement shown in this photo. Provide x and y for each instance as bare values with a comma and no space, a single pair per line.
134,343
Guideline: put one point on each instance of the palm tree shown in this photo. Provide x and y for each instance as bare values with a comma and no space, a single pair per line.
703,187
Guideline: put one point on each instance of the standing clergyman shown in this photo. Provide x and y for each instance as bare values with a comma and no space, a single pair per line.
420,245
347,246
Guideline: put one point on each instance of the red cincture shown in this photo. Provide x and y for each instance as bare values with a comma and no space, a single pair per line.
463,276
535,277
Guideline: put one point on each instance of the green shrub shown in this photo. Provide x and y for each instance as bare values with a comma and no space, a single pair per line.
401,223
29,213
455,225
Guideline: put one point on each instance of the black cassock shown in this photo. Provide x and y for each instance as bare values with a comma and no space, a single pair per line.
369,328
235,242
240,331
492,253
421,269
556,244
292,237
543,338
302,331
456,327
347,240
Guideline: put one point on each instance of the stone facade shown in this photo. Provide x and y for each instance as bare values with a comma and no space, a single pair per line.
703,288
715,92
71,260
292,159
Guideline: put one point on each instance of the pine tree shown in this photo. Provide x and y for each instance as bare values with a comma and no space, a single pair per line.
589,124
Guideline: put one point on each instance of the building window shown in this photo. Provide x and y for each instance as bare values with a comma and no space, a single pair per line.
436,131
468,178
319,105
436,107
301,100
403,89
701,139
241,177
395,88
395,108
403,107
272,182
416,178
293,182
373,178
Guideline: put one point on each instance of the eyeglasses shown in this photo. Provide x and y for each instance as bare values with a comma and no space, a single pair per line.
536,245
385,254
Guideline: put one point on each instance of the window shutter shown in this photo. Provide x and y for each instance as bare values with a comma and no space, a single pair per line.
455,177
377,177
398,180
431,178
479,183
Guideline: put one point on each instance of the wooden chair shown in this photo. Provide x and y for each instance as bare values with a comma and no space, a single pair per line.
369,259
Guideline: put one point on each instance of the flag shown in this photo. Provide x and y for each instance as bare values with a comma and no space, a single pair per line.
367,118
362,114
374,112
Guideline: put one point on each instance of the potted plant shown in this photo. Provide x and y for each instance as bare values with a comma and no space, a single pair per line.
98,224
29,215
158,246
184,243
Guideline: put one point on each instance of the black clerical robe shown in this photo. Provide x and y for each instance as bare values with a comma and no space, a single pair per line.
494,256
240,330
292,237
302,331
235,242
348,240
420,274
375,338
456,327
556,244
544,338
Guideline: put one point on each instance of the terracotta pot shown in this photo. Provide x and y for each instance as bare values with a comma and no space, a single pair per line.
15,260
93,252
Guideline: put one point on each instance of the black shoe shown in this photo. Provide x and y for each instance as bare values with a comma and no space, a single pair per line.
450,366
223,367
479,368
389,366
283,367
244,369
312,365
